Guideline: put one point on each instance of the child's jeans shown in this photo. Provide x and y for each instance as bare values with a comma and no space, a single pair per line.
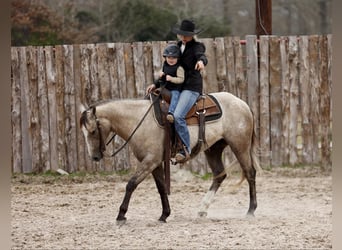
174,100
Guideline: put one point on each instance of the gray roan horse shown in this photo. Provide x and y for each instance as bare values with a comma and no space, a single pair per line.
235,128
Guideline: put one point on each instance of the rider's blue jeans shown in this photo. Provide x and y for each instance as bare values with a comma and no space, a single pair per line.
186,100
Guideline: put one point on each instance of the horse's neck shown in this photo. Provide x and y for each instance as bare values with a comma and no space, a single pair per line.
124,115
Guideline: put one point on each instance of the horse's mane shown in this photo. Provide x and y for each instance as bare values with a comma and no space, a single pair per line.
102,102
83,118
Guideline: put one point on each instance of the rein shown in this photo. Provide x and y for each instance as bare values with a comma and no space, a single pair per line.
136,128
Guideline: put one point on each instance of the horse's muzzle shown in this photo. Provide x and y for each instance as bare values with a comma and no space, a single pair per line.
97,157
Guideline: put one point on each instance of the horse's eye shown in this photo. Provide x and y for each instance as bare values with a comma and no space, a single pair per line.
93,132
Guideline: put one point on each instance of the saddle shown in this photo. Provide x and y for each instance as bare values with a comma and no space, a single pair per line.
205,104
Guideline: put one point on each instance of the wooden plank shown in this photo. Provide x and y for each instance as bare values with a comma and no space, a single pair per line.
69,105
241,82
93,74
304,80
329,38
130,78
81,150
85,78
44,145
157,57
221,66
52,105
16,112
139,70
34,125
294,101
231,85
25,113
85,89
113,72
265,146
325,102
253,79
103,71
62,160
285,83
275,102
209,73
121,57
315,86
148,66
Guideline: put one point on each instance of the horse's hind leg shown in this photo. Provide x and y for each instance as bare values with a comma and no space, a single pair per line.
214,157
158,175
246,161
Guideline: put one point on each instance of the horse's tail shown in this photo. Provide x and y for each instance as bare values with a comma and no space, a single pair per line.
255,150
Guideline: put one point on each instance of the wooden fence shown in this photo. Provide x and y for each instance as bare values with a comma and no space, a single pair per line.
285,80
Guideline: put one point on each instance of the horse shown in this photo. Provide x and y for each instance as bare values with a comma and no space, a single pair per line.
236,128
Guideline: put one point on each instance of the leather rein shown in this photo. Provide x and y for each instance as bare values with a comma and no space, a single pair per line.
103,146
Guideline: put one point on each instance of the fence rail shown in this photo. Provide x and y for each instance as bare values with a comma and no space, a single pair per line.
285,80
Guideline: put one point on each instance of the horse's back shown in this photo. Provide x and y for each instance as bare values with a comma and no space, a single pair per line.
237,118
230,102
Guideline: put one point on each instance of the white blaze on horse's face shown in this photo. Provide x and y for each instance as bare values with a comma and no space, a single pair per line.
92,135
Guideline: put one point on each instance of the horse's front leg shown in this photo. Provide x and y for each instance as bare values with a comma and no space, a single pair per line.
158,175
144,168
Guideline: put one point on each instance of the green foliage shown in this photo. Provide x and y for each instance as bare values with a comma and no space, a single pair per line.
34,23
213,28
21,38
85,18
139,21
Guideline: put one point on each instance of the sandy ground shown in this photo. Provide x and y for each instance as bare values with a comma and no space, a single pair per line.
294,212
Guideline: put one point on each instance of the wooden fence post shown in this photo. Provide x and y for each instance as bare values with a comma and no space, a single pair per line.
325,94
264,102
253,80
304,82
17,151
314,91
44,146
275,102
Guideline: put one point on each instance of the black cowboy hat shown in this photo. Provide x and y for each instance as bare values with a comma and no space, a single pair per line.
187,28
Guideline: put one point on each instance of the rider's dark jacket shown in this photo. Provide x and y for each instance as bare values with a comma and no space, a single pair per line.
193,52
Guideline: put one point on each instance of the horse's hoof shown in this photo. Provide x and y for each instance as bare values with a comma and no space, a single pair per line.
163,220
250,215
202,214
121,222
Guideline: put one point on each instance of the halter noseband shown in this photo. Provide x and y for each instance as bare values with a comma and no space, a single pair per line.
102,144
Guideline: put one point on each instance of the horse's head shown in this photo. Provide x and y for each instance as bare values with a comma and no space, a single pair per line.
94,133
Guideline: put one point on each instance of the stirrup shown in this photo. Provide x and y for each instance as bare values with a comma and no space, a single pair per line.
181,158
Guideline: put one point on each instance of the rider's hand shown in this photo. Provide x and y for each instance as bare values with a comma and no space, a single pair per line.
199,65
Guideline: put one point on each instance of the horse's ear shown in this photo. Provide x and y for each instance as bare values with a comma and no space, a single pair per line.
82,107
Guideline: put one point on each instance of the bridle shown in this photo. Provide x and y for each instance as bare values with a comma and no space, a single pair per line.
102,144
102,140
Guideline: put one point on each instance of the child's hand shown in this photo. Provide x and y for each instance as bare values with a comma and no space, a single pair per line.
150,88
161,74
168,78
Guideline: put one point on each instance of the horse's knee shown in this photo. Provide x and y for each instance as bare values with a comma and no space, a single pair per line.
131,185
